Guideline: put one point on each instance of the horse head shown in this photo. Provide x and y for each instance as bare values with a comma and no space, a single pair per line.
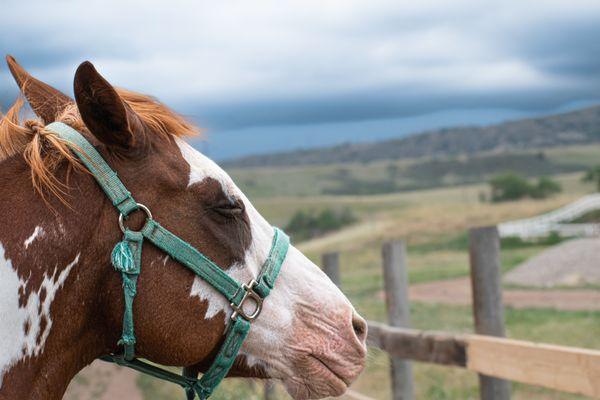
62,298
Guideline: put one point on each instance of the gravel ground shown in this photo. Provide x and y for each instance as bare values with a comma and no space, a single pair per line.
572,263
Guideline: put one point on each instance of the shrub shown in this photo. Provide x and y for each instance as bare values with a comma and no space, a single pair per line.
593,175
510,186
309,224
545,187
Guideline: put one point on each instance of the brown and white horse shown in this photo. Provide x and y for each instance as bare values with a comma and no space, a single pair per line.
61,302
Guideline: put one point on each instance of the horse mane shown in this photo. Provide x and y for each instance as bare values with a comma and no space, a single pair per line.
44,151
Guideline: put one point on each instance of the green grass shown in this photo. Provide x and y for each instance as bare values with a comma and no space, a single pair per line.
437,249
315,180
433,223
585,155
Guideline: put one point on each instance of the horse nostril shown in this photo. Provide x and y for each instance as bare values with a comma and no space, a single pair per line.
360,327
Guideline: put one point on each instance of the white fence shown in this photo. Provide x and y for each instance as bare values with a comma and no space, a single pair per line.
554,221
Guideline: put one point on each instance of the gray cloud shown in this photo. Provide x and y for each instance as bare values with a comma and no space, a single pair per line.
243,64
566,48
378,104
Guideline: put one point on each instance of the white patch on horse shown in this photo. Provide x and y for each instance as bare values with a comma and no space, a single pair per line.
300,281
15,343
202,167
38,232
216,301
51,284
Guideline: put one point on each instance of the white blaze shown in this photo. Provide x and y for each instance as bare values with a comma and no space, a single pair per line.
202,167
15,344
300,281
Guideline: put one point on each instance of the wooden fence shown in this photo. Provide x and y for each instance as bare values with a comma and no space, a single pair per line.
568,369
556,221
496,359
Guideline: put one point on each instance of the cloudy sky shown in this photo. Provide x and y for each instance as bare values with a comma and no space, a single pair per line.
272,75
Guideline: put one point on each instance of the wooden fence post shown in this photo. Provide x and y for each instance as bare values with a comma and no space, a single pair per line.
488,310
331,267
395,276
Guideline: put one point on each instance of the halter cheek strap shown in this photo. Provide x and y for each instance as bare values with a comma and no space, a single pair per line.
127,259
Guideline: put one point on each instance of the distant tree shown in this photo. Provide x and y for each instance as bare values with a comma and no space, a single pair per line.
545,187
326,220
346,217
300,222
593,175
305,225
511,186
508,187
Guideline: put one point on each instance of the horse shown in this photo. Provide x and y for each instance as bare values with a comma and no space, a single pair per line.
61,302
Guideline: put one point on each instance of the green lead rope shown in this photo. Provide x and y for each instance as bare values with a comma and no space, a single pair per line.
126,258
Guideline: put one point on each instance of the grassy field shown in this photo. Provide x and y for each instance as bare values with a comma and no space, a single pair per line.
434,223
406,175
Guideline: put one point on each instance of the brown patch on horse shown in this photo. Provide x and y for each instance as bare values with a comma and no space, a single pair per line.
43,325
22,296
42,294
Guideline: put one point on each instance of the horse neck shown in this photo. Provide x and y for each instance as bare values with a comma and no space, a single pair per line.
50,283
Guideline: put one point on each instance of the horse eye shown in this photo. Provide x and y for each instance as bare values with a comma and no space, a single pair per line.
229,210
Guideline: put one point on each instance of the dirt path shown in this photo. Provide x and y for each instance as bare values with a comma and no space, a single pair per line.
458,292
104,381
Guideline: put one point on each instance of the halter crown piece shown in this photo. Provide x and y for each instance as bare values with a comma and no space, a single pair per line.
127,256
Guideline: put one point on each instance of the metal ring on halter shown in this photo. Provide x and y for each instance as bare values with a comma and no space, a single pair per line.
249,295
141,207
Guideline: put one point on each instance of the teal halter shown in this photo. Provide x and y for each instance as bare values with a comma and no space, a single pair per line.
127,257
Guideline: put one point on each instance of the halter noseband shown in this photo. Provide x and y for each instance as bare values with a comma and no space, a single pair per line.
127,257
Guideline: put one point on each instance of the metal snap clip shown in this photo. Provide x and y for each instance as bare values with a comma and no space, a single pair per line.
249,294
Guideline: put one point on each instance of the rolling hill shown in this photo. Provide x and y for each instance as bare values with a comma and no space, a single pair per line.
572,128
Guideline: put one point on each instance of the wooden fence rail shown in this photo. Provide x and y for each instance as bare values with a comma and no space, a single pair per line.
412,344
498,360
568,369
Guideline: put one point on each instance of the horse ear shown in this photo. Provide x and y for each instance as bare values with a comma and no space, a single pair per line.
103,111
47,102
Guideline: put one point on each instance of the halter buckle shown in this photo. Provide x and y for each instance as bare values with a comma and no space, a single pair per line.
249,294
